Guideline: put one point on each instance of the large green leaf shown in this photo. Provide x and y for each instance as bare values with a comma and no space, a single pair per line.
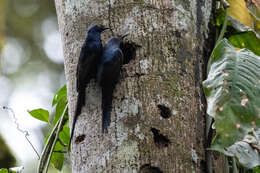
232,89
246,40
40,114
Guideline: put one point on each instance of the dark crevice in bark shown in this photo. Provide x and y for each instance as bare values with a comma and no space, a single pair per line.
207,49
200,19
165,112
160,140
147,168
79,139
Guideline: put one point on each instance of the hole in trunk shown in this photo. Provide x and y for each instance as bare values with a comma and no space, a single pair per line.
79,139
159,139
165,112
147,168
129,50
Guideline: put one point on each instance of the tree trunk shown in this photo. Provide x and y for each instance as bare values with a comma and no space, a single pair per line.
158,116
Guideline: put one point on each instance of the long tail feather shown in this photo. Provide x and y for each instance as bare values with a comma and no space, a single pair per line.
107,94
80,104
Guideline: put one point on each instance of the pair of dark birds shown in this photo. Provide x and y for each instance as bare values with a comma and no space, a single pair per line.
103,63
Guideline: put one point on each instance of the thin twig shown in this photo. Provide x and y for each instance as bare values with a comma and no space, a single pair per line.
25,132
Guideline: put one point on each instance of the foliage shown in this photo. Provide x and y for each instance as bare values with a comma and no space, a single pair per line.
7,159
40,114
3,4
233,93
232,87
247,14
238,11
246,40
12,170
246,151
4,170
52,143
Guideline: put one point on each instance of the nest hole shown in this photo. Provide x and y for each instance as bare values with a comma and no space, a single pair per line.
79,139
165,112
160,140
129,50
147,168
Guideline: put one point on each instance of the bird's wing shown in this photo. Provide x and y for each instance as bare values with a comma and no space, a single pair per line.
110,73
111,67
115,60
87,63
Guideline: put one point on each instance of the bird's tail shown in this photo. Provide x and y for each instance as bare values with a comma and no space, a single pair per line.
107,94
80,104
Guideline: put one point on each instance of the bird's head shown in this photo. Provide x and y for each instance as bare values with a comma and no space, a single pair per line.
120,37
97,28
116,39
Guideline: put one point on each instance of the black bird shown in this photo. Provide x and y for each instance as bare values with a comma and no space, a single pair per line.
108,75
90,56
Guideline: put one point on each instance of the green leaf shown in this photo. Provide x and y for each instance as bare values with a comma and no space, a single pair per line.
62,92
57,158
40,114
3,170
232,89
220,17
257,169
59,108
246,40
65,134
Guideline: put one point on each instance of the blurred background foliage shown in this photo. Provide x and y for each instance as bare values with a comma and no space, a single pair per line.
2,21
7,160
31,72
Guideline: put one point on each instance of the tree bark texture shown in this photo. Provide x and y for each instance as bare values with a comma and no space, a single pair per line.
163,80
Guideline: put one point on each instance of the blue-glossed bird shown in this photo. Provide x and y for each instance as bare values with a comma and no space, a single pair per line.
108,75
90,56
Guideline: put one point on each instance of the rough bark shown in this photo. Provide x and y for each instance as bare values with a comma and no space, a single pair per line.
167,71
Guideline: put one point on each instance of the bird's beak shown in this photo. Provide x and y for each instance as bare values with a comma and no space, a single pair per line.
105,28
123,36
